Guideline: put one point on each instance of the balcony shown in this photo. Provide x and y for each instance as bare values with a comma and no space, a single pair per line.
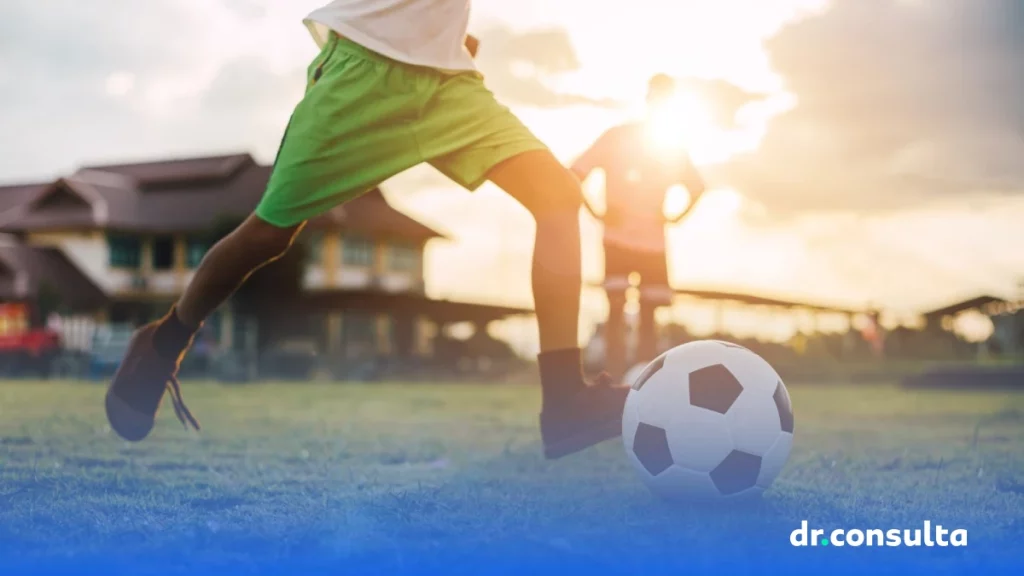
363,278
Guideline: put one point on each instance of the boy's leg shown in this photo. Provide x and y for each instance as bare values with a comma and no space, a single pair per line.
615,335
574,415
551,194
156,349
655,291
618,265
647,332
345,136
471,138
225,267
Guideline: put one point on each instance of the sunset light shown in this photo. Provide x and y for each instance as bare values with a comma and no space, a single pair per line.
680,124
491,287
687,123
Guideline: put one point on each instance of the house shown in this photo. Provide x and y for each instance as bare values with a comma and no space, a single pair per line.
37,273
942,318
120,242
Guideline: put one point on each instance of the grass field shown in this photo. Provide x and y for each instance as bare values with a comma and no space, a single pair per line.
392,477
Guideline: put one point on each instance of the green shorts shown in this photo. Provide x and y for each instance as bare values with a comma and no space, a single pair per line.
365,118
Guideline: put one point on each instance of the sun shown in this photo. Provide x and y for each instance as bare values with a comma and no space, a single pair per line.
684,124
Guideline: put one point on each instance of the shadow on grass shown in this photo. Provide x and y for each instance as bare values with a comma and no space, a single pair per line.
544,519
558,518
514,513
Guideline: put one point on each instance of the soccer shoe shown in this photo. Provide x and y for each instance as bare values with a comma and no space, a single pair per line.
589,417
134,396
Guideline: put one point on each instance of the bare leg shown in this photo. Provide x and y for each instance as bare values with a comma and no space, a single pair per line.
615,339
574,415
553,196
151,362
225,267
647,341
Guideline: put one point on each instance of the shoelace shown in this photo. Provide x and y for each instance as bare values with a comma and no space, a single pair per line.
180,410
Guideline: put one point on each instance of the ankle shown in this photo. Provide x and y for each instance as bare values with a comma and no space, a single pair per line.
190,322
561,376
173,336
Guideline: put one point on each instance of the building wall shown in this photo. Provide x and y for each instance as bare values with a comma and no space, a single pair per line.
88,251
91,253
333,271
353,277
352,334
314,278
345,333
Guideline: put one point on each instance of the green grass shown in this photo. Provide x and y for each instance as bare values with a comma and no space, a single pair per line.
344,471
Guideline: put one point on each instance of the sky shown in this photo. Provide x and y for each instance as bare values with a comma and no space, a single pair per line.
858,151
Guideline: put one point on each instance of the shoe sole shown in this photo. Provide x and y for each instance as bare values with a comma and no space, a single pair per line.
127,422
605,430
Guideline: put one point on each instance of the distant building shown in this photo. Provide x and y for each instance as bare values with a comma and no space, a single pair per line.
942,318
1008,332
1007,319
120,243
596,351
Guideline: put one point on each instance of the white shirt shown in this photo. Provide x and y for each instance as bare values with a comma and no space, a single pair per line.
428,33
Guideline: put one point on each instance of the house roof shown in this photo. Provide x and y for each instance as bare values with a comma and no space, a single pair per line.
963,306
46,268
15,195
183,195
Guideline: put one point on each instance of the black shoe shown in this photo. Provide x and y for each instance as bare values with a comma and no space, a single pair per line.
590,416
134,396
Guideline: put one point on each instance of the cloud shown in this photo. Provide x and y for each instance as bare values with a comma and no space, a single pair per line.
88,39
518,67
723,98
247,9
109,81
898,103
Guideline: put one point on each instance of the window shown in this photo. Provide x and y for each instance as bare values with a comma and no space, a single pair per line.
359,334
315,248
403,257
357,251
125,251
163,252
360,327
195,249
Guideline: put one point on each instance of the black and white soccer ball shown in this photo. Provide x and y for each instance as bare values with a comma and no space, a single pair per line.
634,373
708,420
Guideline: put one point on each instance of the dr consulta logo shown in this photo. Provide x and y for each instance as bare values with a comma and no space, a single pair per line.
928,536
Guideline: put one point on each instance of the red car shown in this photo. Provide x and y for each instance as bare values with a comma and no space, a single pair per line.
23,345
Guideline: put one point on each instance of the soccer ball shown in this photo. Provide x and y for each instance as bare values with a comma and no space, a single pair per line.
708,420
633,374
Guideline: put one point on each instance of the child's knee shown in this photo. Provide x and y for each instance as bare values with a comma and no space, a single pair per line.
268,240
563,199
